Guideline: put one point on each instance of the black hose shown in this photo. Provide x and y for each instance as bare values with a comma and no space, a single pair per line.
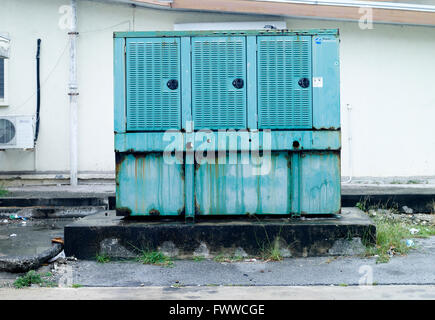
38,90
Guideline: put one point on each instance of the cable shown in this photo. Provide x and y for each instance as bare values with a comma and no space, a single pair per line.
61,55
44,81
107,28
38,90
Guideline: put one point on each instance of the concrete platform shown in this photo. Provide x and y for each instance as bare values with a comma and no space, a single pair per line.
121,238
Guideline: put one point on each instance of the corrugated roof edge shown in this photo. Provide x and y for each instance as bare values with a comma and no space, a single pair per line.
142,34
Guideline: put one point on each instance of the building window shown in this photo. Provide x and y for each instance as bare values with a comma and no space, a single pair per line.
3,82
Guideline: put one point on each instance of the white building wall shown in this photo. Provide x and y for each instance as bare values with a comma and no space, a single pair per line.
387,77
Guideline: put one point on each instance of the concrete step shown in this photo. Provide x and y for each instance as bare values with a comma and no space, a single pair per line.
78,201
38,212
405,203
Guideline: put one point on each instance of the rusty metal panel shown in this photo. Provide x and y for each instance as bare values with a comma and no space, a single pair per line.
320,182
238,189
146,185
295,183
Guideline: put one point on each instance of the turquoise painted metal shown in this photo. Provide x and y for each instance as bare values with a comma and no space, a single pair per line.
211,123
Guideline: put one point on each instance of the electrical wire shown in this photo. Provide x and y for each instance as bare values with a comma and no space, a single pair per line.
60,57
44,81
107,28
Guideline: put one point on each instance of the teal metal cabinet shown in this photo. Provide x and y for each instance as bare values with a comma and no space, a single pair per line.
227,123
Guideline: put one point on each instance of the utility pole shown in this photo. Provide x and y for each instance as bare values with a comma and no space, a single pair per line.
73,94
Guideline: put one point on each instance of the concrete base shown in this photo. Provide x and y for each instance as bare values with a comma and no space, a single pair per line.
121,238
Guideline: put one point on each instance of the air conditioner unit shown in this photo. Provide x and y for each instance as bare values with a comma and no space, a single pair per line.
16,132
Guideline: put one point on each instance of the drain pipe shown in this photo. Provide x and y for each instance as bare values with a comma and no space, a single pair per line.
349,142
73,94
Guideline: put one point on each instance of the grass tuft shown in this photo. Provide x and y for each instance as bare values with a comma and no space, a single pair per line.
154,257
198,258
271,253
102,258
343,285
226,258
391,236
32,277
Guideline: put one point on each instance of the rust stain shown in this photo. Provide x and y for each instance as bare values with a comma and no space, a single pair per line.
123,211
135,167
183,172
197,207
154,212
182,211
119,159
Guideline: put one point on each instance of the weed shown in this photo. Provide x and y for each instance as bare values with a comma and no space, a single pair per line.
365,204
154,257
362,204
391,238
226,258
76,285
198,258
431,206
32,277
271,253
102,258
147,256
3,191
425,231
343,285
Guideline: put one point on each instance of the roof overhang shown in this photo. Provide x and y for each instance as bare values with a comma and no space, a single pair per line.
381,11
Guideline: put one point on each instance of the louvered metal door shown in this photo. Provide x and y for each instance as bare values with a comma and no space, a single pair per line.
282,62
219,82
153,84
